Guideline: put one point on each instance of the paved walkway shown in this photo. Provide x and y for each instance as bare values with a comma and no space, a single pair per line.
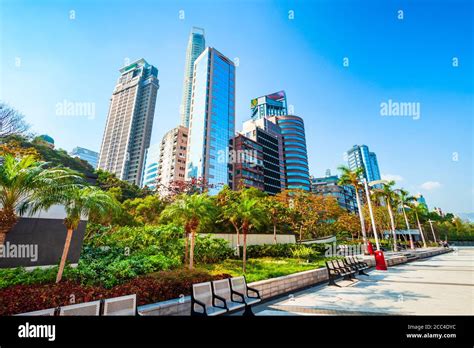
440,285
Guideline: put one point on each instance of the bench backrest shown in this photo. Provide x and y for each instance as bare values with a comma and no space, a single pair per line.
350,260
43,313
330,265
340,264
239,285
123,305
222,288
203,293
88,308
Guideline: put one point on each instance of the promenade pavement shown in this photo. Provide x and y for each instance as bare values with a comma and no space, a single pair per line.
439,285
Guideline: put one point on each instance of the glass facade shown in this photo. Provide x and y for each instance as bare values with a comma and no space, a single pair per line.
151,166
212,122
295,152
196,45
87,155
359,156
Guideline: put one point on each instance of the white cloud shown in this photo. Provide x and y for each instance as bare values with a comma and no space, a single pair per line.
430,185
393,177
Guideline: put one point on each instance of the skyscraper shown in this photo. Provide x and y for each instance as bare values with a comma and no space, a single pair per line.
150,172
172,160
212,121
246,163
85,154
196,45
359,156
129,122
268,135
329,186
269,105
294,151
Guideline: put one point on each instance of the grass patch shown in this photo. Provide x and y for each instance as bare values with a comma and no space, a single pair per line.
262,268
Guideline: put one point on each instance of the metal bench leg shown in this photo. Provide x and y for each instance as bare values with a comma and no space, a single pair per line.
248,312
332,282
361,272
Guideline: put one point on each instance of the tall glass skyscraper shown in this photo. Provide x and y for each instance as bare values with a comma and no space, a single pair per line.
129,122
212,121
196,45
294,151
359,156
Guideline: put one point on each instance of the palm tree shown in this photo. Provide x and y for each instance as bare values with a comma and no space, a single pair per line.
78,203
352,178
192,211
26,180
404,200
251,214
388,195
419,209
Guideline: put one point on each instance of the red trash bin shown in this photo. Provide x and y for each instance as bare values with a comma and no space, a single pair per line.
380,261
370,248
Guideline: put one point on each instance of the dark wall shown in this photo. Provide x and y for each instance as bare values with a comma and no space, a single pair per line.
49,235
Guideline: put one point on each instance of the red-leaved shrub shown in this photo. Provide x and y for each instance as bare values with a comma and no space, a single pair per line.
149,289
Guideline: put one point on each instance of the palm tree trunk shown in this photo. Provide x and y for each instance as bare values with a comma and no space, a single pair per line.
244,256
274,233
191,252
392,223
67,244
186,248
412,246
421,230
362,222
8,219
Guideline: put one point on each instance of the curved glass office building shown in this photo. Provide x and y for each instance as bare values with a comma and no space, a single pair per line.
294,150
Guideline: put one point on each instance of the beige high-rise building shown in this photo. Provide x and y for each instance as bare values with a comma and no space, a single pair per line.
172,160
129,122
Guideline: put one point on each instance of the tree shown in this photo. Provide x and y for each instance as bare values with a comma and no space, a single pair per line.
78,202
352,178
145,210
387,194
193,212
25,181
349,222
251,214
226,200
294,202
13,147
276,211
418,210
404,200
11,122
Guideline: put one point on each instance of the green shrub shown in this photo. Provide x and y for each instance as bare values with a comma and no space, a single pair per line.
289,250
209,249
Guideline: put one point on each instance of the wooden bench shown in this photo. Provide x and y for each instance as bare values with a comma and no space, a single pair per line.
336,269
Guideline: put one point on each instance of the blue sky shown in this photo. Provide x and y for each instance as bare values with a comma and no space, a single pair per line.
47,58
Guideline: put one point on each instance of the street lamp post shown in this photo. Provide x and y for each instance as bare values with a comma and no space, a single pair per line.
380,263
367,192
432,230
